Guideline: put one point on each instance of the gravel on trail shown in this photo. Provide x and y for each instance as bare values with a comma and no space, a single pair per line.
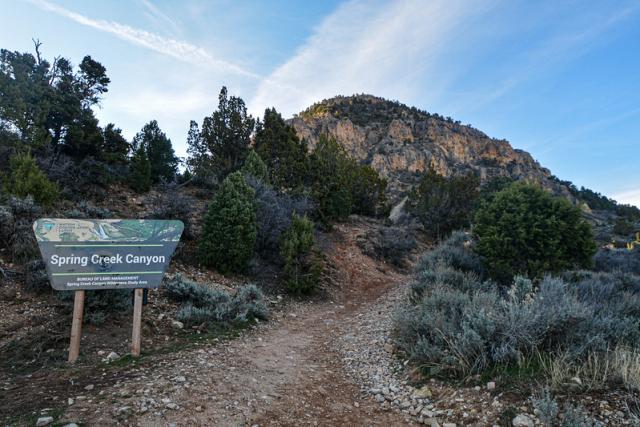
329,362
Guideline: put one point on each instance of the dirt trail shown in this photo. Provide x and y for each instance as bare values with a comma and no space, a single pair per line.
286,372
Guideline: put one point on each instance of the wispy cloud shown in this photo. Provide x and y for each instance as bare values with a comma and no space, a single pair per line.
419,52
180,50
386,48
158,15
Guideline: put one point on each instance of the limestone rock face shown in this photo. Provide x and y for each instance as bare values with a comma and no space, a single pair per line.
402,142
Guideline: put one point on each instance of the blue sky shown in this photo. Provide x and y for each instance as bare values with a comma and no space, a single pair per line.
560,79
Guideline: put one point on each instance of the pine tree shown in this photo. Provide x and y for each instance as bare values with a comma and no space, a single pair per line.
159,151
140,171
279,146
368,191
199,159
230,229
83,138
330,173
226,135
114,147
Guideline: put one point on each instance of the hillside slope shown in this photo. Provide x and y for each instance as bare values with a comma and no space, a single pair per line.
402,142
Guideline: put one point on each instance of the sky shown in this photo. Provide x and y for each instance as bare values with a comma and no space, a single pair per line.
558,78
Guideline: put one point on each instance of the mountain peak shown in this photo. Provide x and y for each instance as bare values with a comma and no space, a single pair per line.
403,142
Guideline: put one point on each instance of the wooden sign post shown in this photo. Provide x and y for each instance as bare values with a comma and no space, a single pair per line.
98,254
76,326
137,323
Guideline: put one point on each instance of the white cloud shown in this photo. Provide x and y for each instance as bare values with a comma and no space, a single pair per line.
631,197
161,17
387,49
174,48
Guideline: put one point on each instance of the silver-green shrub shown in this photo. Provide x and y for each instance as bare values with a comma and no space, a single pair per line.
455,252
453,322
203,304
610,260
548,412
546,407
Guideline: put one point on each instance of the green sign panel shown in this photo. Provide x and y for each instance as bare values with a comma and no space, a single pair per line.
106,253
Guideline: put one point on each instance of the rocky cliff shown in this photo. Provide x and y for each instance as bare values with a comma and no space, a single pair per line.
402,142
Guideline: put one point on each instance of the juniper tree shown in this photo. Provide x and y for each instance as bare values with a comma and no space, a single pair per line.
27,179
255,167
302,269
525,230
226,135
159,151
229,231
330,173
140,171
279,146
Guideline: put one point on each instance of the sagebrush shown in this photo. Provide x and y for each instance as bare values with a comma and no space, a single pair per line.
455,322
201,303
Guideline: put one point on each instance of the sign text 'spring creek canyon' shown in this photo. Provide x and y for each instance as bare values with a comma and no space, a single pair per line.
106,253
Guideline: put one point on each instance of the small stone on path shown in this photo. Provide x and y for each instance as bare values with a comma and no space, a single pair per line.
522,421
44,421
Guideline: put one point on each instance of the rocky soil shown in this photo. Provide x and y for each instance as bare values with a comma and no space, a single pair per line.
328,362
284,372
366,345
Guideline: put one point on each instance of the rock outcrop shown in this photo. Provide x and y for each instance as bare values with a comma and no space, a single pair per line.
402,142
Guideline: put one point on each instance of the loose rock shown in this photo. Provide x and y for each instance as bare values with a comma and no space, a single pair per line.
44,421
522,421
177,325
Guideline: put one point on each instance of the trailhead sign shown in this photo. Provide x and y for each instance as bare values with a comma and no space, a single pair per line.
106,253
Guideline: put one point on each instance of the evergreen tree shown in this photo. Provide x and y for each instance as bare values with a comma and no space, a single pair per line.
84,138
225,137
91,82
26,98
230,230
525,230
140,171
114,146
164,163
368,191
254,166
330,173
26,179
444,204
279,146
301,267
199,158
50,103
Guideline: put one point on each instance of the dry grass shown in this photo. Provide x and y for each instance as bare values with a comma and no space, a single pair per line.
597,372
